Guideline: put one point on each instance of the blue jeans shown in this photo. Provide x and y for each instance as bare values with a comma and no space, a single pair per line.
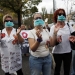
40,65
73,63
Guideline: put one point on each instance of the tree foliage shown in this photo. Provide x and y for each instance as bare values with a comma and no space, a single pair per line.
46,15
17,6
44,12
1,23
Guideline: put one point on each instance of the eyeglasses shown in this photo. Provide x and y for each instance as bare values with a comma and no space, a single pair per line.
8,20
61,14
38,18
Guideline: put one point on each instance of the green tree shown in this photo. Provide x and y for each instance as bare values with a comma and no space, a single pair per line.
28,14
4,11
17,6
1,23
50,16
44,13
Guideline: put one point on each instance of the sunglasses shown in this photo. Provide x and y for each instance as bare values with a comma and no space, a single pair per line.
38,18
8,20
61,14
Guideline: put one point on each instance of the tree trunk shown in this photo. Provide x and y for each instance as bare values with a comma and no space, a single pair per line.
19,19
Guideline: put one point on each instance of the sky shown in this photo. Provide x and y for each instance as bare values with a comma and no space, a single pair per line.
48,4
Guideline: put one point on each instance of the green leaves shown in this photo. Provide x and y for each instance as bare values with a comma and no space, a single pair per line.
20,7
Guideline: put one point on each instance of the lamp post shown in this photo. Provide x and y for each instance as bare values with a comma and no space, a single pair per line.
53,6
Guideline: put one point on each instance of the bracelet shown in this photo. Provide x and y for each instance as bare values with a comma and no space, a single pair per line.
39,40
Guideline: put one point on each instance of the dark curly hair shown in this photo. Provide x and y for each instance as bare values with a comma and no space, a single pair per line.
56,14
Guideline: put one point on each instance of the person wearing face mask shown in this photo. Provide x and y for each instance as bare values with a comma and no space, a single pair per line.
40,60
62,50
11,60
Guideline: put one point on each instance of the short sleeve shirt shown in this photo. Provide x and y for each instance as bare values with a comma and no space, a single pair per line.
64,46
41,50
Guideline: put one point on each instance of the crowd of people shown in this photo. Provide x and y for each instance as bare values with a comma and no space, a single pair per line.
36,42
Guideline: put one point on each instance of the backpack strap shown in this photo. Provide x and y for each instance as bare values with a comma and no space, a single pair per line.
69,27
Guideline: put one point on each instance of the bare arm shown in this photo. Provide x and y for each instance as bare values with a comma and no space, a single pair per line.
33,44
53,40
20,39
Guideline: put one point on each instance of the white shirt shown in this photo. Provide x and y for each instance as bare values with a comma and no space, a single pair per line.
41,51
64,46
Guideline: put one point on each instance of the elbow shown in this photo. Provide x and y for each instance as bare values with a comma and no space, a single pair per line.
33,49
52,44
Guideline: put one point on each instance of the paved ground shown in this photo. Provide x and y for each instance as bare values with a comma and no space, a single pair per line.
26,70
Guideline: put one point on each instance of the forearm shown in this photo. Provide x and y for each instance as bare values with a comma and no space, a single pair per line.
35,46
20,39
53,40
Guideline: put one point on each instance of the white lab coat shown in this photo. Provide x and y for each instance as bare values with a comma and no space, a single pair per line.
11,59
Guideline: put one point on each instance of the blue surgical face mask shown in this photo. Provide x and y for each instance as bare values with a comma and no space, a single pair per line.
9,24
38,22
61,18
